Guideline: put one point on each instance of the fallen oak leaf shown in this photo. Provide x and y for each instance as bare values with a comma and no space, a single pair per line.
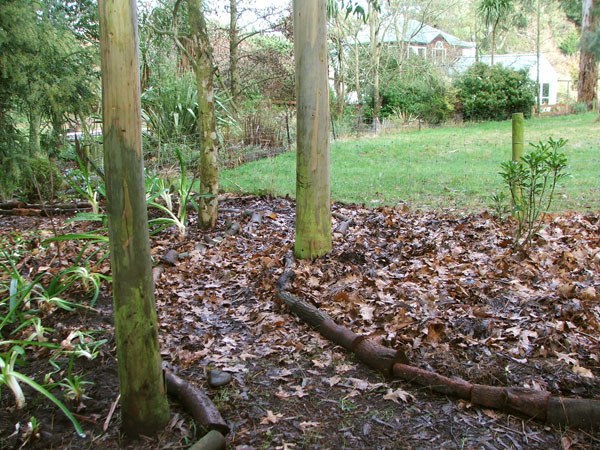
270,418
359,384
306,425
398,394
333,380
582,371
567,358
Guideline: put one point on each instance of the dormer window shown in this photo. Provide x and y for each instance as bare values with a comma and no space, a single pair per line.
439,52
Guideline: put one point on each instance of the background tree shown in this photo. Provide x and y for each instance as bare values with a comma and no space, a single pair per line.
313,209
208,203
144,408
494,13
588,56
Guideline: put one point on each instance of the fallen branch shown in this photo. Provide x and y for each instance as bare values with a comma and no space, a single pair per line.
197,403
531,403
213,440
38,212
22,205
374,355
344,224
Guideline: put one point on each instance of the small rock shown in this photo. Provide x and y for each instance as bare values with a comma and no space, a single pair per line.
171,257
217,378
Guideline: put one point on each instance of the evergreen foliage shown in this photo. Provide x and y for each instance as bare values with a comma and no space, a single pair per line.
420,91
494,93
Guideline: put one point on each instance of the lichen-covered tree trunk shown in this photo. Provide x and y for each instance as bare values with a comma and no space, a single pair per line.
375,49
234,41
588,63
144,407
313,210
207,129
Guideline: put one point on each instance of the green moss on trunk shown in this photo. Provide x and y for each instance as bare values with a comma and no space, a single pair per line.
313,209
144,407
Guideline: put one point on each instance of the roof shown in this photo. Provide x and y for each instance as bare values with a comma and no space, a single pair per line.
514,61
417,33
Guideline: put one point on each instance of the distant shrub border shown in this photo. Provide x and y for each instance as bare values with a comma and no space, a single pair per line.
494,93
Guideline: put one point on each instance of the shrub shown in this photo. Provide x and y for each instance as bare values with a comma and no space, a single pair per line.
579,108
494,93
420,91
42,174
532,182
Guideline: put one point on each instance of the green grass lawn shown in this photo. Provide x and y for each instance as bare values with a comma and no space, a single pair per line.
451,167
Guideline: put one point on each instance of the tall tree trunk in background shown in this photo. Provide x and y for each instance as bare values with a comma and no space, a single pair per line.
339,81
375,58
538,50
588,63
35,123
357,84
234,40
144,407
313,209
207,128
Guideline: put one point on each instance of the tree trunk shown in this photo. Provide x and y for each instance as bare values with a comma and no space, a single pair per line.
234,40
144,408
339,82
588,64
375,53
538,50
493,46
207,129
35,123
313,209
357,84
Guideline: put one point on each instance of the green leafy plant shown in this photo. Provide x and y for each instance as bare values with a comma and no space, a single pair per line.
86,186
11,378
74,385
87,279
98,236
532,183
184,191
83,343
38,330
499,205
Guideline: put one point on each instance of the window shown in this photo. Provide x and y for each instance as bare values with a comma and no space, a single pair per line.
417,51
439,52
545,93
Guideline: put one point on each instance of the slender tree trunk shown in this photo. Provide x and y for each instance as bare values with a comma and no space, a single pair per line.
35,123
144,408
234,41
537,45
588,64
374,45
313,209
207,128
338,77
493,45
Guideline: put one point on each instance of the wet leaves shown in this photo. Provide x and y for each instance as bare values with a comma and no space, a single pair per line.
446,287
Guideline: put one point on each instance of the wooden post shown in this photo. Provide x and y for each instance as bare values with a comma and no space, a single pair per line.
518,136
313,209
144,407
518,147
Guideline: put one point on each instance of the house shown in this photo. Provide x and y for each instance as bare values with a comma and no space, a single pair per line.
424,41
548,76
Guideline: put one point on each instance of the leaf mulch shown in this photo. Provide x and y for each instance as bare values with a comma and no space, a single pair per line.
446,287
